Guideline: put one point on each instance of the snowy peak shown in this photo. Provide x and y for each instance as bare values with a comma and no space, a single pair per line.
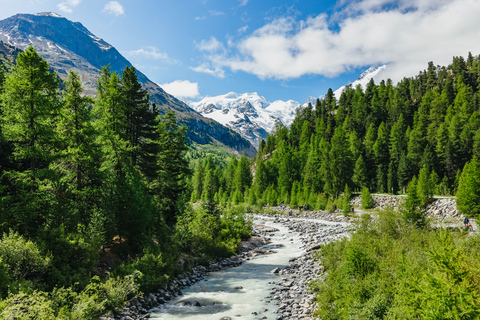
363,79
249,114
48,14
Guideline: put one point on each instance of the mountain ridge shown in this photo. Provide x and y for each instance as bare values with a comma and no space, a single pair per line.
68,45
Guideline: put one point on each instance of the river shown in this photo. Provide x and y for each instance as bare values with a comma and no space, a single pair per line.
243,292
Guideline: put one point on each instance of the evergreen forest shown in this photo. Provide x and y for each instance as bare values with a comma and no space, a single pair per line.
93,195
423,130
101,197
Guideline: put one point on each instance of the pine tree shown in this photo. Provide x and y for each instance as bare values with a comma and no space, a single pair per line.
347,196
413,213
261,176
468,193
141,123
173,172
359,173
340,161
367,200
30,115
80,158
380,148
243,175
197,181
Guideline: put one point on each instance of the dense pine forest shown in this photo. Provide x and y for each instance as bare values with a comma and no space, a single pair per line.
93,195
101,197
422,131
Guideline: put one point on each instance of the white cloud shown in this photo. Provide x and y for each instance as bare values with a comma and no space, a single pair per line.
206,68
243,2
150,53
114,7
405,34
211,45
68,5
243,29
182,89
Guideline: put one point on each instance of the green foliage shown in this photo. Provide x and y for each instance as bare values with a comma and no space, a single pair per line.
22,258
468,194
347,197
388,270
211,235
413,211
367,200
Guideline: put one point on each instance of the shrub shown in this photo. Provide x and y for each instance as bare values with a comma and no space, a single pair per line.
22,257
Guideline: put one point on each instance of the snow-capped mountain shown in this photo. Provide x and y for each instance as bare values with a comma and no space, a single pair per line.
249,114
363,80
253,116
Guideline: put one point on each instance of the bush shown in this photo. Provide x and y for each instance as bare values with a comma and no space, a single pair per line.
155,270
468,194
22,258
387,269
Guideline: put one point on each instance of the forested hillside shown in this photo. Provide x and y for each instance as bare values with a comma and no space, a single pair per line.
380,137
93,195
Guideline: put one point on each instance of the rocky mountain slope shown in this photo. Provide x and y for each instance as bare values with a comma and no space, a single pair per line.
249,114
68,45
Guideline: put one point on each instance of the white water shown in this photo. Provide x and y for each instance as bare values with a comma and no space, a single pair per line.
238,292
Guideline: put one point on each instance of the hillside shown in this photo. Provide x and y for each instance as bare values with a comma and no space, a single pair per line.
68,45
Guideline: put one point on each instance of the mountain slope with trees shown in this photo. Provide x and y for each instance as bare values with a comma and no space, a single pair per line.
424,129
93,195
69,46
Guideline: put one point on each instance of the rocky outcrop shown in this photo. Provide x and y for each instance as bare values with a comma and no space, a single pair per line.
438,208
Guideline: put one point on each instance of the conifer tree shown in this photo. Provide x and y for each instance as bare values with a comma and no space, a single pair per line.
347,196
468,193
243,175
380,148
197,181
141,123
367,200
79,160
340,161
173,171
30,114
359,174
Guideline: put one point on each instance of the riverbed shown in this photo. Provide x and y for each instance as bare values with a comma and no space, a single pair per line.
267,286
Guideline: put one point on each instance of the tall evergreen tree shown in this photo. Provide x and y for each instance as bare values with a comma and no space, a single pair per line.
30,113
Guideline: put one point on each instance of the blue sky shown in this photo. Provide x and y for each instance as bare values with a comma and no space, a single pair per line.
281,49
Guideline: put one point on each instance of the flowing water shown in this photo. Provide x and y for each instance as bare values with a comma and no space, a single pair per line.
237,293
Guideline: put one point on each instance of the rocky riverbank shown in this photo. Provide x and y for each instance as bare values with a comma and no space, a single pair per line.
139,308
290,292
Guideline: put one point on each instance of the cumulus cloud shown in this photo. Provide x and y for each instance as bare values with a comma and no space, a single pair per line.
68,5
114,7
208,69
405,34
211,45
182,89
151,53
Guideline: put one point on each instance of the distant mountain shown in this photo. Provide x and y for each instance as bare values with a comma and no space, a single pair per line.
68,45
249,114
362,80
